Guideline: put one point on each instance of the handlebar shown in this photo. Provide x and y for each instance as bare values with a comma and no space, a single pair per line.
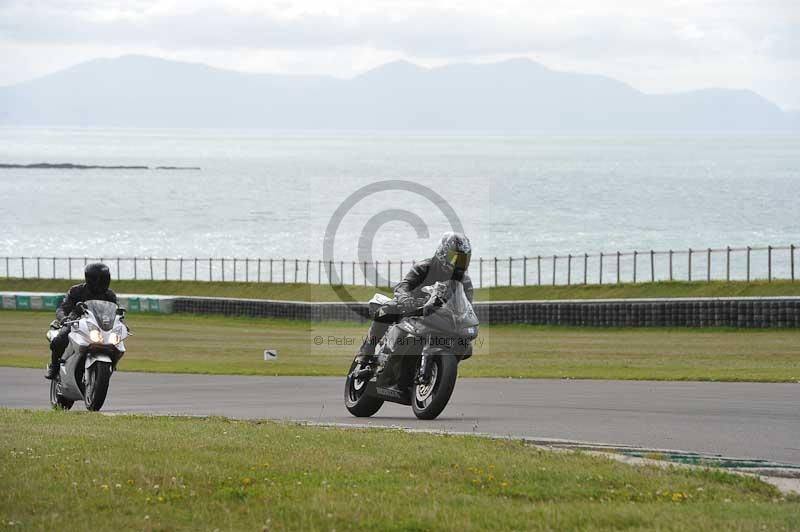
426,309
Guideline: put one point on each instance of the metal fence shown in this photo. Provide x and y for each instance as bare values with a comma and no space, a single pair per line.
707,264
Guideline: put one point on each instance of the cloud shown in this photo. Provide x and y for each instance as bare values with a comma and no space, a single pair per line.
434,29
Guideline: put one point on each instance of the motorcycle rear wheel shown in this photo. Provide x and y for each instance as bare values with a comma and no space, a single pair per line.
356,399
430,399
56,400
98,377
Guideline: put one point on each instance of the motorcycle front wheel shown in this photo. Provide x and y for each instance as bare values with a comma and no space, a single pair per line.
431,398
356,399
56,400
97,378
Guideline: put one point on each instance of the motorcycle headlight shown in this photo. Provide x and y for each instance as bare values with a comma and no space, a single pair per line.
95,336
113,338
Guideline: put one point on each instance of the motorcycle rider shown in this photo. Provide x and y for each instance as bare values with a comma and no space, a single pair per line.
98,279
449,262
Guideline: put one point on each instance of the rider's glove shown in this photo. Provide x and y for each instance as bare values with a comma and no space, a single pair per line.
431,306
406,301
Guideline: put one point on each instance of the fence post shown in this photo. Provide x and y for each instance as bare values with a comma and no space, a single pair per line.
480,272
791,259
728,263
296,268
180,273
495,272
234,269
135,273
748,264
690,264
22,262
165,269
388,274
223,269
524,271
330,268
210,269
652,266
569,269
270,270
670,265
510,260
769,264
353,272
119,271
151,268
539,270
554,270
308,267
618,255
585,266
283,270
708,265
54,267
8,273
635,257
601,267
377,265
39,267
365,273
258,265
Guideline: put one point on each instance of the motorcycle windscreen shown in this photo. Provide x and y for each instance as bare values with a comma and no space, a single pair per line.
104,312
463,313
456,314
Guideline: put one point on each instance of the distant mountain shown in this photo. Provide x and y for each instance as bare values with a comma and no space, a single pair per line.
512,96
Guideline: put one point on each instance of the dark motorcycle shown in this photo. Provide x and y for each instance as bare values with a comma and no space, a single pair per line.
416,362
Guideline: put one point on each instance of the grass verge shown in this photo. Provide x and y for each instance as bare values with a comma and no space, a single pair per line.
162,473
304,292
225,345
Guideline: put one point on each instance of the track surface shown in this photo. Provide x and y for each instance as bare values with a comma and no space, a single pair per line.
745,420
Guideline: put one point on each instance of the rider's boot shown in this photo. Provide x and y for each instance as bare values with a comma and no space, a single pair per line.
52,371
55,365
366,354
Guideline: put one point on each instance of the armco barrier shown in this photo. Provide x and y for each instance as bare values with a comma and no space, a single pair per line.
746,312
50,301
683,312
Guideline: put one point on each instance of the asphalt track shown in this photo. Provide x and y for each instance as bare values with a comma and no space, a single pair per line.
743,420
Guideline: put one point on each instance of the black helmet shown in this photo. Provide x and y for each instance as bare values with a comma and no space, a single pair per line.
454,252
98,277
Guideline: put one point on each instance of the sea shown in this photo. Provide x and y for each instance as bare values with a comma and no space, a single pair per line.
346,197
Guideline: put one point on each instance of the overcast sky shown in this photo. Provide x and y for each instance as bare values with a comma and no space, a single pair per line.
655,46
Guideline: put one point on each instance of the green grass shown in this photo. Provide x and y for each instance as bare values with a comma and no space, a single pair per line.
304,292
92,472
226,345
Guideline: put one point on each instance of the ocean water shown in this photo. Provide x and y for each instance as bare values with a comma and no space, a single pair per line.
274,196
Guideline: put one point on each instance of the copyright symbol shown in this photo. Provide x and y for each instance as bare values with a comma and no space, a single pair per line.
318,340
413,192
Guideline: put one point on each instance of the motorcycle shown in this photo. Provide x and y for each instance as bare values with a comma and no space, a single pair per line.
416,362
96,344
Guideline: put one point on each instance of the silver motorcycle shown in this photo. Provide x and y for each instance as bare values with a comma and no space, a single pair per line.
96,344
